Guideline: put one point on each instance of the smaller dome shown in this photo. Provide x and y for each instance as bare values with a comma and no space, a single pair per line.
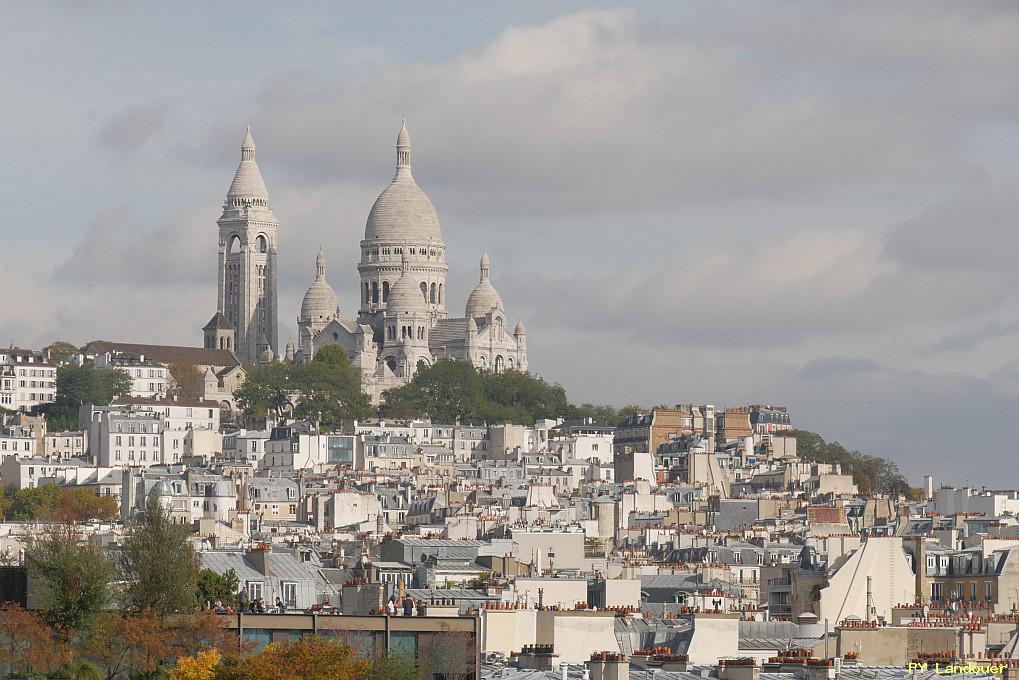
471,325
320,302
484,298
519,330
405,295
268,356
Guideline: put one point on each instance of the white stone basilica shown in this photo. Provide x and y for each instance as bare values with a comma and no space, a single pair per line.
401,324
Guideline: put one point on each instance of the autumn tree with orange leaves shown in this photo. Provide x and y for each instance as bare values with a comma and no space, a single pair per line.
313,658
129,645
27,645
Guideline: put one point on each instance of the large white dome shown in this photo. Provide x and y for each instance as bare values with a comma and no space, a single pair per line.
403,212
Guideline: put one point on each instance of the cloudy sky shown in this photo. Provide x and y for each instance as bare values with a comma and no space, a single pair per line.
799,203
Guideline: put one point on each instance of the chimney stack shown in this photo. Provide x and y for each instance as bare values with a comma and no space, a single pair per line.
259,556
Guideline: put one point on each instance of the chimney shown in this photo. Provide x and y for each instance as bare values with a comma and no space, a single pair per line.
609,666
259,557
538,658
738,669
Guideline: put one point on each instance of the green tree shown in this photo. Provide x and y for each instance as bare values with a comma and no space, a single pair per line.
80,669
326,389
870,473
455,390
522,397
60,351
89,385
445,392
266,391
601,414
215,587
329,389
390,666
78,385
159,563
73,577
108,384
187,380
38,503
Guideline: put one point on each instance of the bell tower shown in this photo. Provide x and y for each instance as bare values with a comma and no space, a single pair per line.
247,261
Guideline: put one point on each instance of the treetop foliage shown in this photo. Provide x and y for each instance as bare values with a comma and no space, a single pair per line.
159,563
73,577
870,473
50,502
326,389
78,385
454,390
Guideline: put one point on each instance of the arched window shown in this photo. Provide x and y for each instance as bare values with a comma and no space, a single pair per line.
440,293
484,361
385,291
509,362
375,293
432,300
422,364
235,244
391,363
424,290
261,244
498,364
367,294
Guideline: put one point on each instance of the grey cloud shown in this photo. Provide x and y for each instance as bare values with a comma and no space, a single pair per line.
130,128
118,247
976,232
972,337
596,111
828,368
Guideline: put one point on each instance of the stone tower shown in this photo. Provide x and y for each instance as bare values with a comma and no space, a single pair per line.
247,261
402,225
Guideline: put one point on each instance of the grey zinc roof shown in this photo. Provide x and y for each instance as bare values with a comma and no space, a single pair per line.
576,672
439,542
448,332
282,566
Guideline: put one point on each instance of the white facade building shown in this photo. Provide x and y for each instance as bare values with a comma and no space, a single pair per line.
138,432
63,445
177,414
17,442
949,501
149,379
28,473
27,379
246,445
